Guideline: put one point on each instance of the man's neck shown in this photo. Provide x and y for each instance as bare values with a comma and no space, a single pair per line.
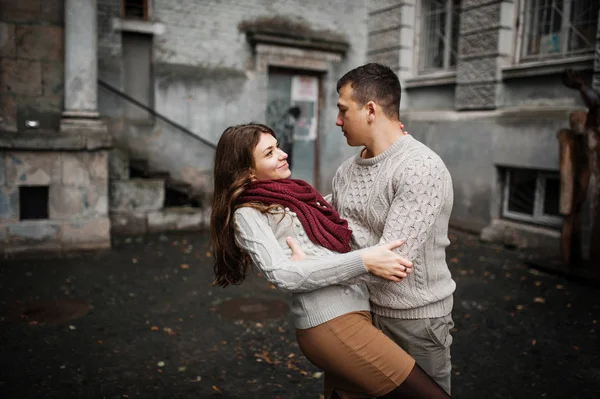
381,141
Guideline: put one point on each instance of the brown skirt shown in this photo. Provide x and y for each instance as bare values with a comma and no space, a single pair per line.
358,359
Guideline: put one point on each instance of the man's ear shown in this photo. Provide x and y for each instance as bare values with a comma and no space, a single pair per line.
370,107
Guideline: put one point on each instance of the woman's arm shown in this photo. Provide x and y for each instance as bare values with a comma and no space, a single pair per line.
256,238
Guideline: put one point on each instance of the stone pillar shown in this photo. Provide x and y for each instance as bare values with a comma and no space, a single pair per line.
596,80
485,44
81,62
391,36
80,115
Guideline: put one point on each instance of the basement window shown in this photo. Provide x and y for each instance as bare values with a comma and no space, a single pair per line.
33,202
532,196
135,9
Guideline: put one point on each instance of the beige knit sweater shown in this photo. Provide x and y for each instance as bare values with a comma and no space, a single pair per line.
403,193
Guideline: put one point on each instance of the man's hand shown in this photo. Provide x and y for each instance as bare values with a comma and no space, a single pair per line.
383,262
297,252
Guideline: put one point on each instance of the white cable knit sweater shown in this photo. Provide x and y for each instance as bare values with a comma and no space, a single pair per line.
403,193
319,283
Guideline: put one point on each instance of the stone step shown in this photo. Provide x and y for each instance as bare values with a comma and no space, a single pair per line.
138,194
177,219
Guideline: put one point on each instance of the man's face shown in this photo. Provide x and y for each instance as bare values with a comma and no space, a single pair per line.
352,117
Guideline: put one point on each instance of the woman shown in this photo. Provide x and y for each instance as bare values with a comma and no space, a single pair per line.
256,210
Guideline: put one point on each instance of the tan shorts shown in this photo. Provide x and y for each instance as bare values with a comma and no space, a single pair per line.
359,360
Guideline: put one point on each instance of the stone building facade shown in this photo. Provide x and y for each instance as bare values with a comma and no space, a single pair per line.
482,86
53,146
110,109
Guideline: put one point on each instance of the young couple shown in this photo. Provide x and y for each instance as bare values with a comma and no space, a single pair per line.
341,260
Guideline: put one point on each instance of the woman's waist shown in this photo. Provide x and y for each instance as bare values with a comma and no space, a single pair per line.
316,307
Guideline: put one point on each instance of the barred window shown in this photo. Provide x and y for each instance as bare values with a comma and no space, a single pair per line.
135,9
559,27
531,196
439,35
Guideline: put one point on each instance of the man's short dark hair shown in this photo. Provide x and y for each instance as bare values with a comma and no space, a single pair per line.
374,82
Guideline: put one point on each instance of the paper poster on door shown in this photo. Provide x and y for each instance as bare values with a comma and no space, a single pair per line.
305,96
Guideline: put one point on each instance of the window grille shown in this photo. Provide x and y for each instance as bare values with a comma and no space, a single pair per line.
135,9
532,196
558,28
439,35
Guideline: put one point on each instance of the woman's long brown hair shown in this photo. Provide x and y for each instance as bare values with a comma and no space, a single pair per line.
234,161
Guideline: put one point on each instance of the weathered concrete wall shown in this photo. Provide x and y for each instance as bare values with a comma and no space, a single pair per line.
205,71
475,144
31,63
77,200
487,113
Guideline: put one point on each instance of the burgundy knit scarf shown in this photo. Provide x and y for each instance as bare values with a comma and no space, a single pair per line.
322,223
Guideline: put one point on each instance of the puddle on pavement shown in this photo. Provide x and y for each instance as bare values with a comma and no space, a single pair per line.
57,311
252,309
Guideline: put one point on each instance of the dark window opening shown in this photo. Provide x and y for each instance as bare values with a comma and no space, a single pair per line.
135,9
33,202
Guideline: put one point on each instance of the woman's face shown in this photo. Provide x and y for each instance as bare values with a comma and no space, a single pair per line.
269,161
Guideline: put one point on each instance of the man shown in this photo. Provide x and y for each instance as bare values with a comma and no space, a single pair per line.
396,187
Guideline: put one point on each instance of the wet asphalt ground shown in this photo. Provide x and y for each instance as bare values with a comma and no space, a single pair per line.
143,321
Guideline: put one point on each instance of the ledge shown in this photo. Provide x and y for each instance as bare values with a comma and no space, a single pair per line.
520,235
548,66
73,135
289,32
137,26
433,79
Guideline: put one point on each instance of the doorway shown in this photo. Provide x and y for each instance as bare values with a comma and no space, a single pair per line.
292,112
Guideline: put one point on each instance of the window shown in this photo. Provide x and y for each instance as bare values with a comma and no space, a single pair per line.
532,196
33,202
439,35
558,27
135,9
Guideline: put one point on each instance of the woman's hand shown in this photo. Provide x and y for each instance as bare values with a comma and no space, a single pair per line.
383,262
297,252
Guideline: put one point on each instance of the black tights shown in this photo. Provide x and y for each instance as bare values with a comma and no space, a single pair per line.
418,385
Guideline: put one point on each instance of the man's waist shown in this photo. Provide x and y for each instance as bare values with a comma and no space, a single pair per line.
439,308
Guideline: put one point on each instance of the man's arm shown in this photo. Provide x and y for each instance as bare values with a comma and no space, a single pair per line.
419,198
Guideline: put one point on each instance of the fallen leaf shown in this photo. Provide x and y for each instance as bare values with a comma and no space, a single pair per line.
169,331
538,283
99,342
185,266
160,364
454,260
560,287
72,328
520,307
216,389
134,260
533,341
208,254
317,374
181,369
153,328
539,299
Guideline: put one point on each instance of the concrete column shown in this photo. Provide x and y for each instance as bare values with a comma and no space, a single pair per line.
485,44
390,27
81,61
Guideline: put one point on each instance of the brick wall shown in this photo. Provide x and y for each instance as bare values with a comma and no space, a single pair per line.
31,63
